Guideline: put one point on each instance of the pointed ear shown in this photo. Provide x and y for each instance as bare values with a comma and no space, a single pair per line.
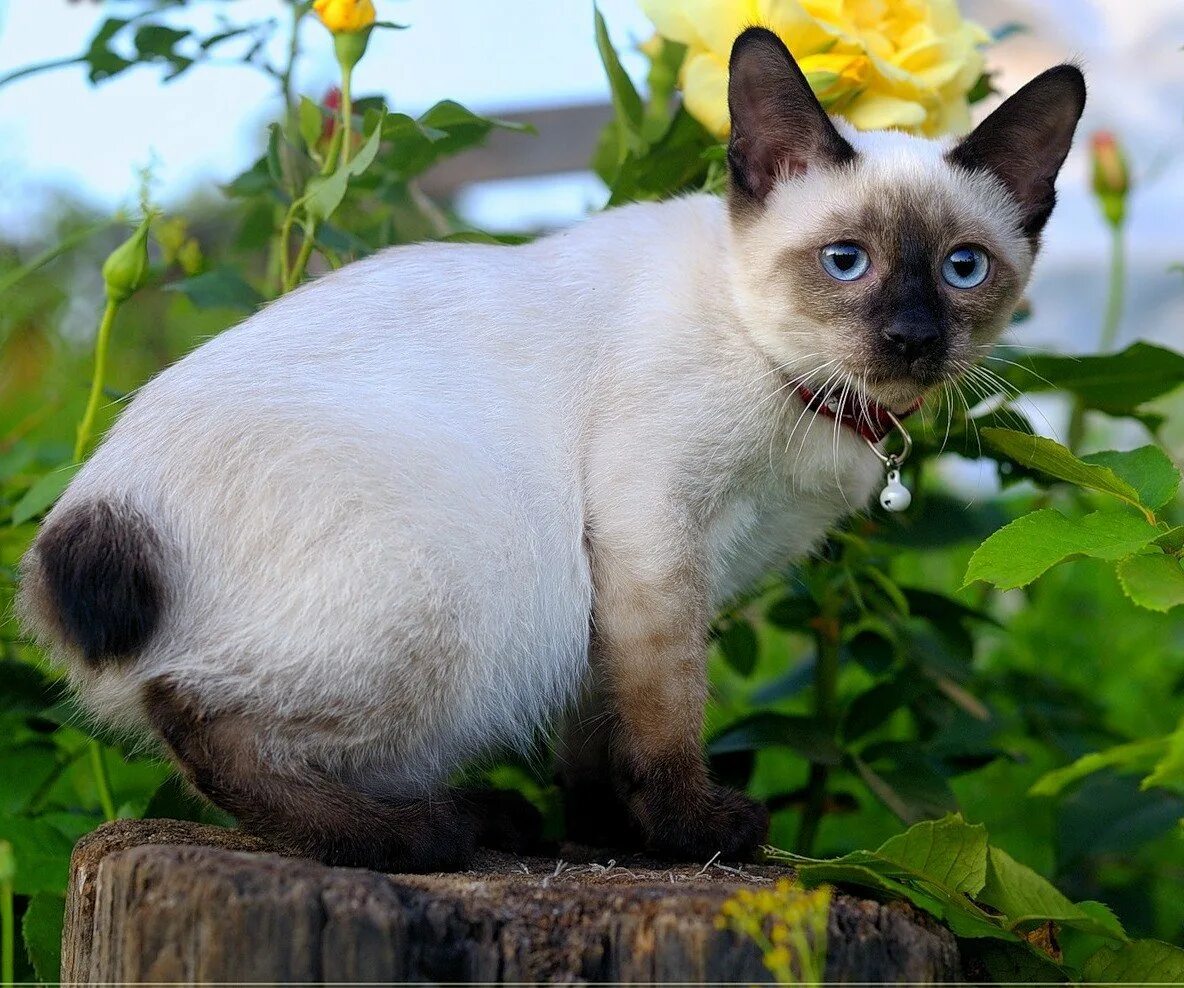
1025,140
779,129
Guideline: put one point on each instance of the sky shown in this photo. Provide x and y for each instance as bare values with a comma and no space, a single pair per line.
57,132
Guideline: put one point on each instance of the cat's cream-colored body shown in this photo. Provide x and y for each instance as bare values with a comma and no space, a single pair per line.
423,506
380,491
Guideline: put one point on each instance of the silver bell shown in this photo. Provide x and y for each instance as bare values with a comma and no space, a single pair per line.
895,496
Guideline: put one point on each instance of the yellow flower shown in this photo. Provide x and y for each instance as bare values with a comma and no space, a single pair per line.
904,64
345,16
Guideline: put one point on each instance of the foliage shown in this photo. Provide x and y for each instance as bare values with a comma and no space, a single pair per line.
1017,659
948,868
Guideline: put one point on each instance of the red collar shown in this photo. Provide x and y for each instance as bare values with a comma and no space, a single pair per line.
858,413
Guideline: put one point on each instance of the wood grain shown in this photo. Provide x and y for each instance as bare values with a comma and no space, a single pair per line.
163,901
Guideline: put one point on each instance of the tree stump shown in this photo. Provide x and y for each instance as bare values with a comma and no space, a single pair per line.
164,901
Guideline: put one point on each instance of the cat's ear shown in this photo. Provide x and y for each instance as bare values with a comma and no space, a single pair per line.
1025,140
779,129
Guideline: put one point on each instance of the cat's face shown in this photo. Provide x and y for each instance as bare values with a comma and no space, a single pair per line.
881,263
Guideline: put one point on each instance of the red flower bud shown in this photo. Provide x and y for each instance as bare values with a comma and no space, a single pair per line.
1111,177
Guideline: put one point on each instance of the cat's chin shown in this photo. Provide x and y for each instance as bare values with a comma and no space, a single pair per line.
899,394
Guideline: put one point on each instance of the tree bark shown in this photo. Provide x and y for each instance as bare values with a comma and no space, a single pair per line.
164,901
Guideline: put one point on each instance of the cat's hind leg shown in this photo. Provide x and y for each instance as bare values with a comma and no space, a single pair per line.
305,809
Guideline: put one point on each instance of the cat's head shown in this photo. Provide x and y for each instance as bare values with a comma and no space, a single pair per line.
879,261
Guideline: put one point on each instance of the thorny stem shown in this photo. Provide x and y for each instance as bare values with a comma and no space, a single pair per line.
86,427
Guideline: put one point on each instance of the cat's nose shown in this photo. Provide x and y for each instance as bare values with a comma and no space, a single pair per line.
912,334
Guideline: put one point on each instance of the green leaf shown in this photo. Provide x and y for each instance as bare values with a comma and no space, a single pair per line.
1169,770
1147,469
41,928
1026,900
40,497
1136,756
1116,383
738,643
27,768
1153,581
909,785
222,288
938,865
627,104
311,122
1144,962
1052,458
763,730
1020,552
42,854
325,193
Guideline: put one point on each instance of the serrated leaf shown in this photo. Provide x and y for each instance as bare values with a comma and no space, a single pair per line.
1115,383
1154,581
326,192
222,288
41,496
769,730
1027,899
311,122
1020,552
1136,756
1147,469
937,865
1047,456
41,928
1143,962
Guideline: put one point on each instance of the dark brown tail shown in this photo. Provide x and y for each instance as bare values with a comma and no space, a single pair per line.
95,577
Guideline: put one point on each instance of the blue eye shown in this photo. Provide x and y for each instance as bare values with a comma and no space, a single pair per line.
845,261
966,267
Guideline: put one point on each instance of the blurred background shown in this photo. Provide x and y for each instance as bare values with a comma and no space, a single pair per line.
64,141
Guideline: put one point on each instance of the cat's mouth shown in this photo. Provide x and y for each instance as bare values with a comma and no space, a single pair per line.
900,393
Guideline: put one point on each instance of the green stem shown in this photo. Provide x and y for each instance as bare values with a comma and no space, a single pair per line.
306,246
1115,299
86,427
826,681
347,113
102,781
1116,290
7,934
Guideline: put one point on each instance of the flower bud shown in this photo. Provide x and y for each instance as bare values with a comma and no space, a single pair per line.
1111,178
345,16
126,269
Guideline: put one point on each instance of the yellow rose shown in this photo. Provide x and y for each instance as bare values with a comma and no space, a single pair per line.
345,16
904,64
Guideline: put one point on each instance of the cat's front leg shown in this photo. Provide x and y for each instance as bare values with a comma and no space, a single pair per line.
651,620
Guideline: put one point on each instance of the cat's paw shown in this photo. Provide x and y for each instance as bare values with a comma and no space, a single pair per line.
713,821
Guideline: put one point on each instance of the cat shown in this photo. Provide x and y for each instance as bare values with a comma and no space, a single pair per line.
451,495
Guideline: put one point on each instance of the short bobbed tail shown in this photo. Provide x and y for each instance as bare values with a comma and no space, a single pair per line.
94,582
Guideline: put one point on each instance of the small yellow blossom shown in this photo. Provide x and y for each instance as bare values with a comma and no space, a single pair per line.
345,16
904,64
788,923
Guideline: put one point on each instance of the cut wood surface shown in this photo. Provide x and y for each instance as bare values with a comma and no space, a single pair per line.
164,901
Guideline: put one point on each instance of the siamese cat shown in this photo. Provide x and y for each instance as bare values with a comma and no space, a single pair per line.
451,495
